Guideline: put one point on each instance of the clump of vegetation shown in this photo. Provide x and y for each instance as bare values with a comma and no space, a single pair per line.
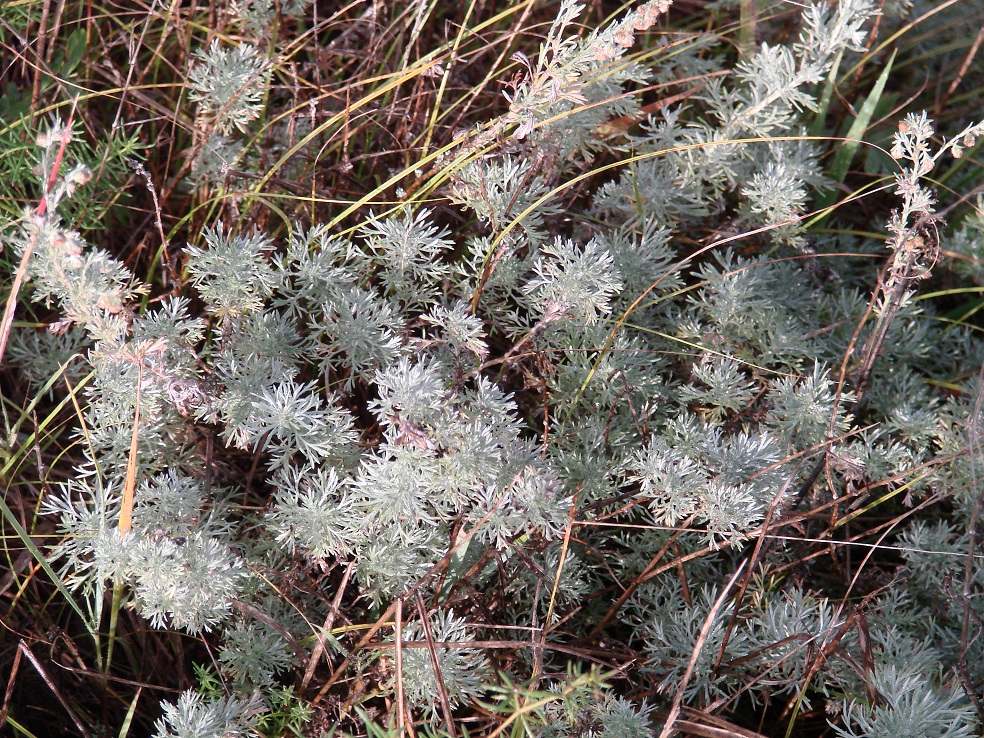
433,370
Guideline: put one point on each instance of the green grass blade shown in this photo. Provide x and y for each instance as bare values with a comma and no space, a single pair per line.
817,129
845,154
37,554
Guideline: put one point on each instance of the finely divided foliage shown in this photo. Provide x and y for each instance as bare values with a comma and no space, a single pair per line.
505,430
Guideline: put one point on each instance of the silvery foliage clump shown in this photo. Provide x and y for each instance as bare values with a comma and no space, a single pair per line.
228,85
691,391
192,715
449,453
598,716
465,670
914,696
